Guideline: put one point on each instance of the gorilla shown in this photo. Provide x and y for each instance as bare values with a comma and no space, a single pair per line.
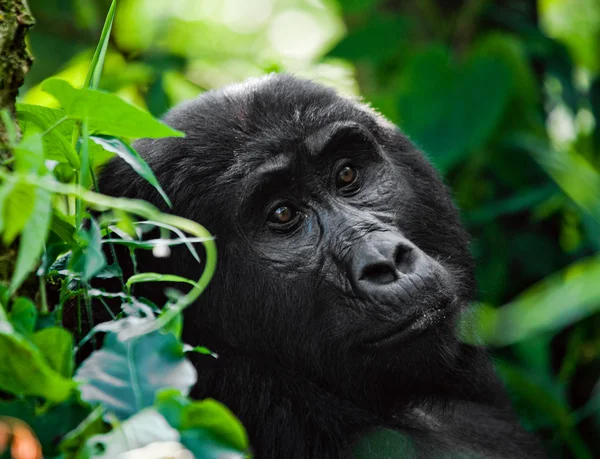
343,267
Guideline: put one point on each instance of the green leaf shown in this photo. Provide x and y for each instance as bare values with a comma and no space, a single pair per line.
450,111
208,429
25,371
62,229
99,156
57,346
85,174
23,315
133,158
92,79
216,418
378,39
157,277
202,444
548,307
358,6
17,200
33,237
29,154
126,374
88,258
573,173
63,172
577,25
522,200
57,141
107,113
203,350
145,427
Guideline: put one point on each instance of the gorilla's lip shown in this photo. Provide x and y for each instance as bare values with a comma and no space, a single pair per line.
398,333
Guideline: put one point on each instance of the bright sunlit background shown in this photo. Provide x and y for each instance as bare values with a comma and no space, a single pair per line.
503,96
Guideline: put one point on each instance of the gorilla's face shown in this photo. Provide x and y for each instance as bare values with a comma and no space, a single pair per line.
339,247
332,213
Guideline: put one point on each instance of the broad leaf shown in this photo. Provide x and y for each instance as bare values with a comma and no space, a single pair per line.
107,113
125,375
207,427
448,110
216,418
57,141
23,315
378,39
57,346
25,371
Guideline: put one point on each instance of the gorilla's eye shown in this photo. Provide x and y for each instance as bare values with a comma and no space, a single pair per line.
282,215
346,176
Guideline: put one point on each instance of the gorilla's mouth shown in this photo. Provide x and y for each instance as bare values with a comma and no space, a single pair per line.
407,330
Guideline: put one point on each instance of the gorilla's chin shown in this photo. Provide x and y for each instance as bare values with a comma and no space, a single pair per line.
412,328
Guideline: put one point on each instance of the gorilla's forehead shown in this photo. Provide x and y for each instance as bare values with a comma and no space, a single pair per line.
232,131
278,115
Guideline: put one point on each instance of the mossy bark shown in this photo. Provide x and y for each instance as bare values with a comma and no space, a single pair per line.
15,60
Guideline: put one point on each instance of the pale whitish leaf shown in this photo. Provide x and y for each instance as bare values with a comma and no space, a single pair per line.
147,426
126,374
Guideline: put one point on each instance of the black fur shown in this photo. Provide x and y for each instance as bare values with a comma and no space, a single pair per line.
295,312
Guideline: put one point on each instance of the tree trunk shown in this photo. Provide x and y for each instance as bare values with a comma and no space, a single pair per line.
15,60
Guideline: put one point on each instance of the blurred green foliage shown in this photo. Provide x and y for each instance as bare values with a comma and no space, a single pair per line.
504,97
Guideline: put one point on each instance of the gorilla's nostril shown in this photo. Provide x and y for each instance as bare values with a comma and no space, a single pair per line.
403,259
379,274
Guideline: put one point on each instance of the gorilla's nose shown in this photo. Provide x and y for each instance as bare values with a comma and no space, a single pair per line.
379,261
